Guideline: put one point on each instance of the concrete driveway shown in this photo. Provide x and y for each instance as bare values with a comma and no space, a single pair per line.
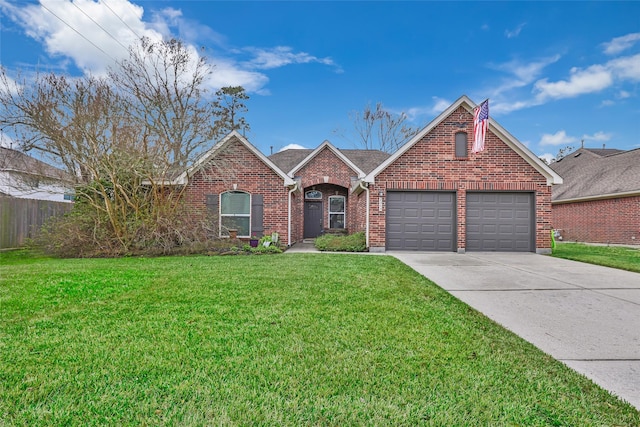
583,315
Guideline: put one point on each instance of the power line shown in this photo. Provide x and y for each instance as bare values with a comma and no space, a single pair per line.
121,20
78,32
101,27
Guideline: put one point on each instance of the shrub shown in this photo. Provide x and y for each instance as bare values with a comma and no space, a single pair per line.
356,242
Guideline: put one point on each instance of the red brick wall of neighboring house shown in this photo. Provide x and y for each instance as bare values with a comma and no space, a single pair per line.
431,165
237,168
599,221
326,172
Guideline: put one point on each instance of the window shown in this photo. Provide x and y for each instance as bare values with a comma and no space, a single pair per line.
336,212
461,144
235,212
313,194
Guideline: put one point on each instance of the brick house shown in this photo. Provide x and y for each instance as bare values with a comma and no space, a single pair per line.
432,194
599,201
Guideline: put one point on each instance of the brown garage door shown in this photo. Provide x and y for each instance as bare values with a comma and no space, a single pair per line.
500,222
421,221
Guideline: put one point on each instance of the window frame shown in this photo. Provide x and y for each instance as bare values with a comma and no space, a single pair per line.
466,145
234,215
343,213
306,195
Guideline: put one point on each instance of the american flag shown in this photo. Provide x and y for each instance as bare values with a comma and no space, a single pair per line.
480,125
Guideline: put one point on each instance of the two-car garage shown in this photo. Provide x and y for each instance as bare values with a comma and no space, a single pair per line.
427,221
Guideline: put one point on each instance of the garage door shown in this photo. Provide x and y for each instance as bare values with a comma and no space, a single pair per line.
500,222
421,221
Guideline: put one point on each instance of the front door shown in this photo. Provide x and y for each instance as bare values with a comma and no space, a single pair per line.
312,219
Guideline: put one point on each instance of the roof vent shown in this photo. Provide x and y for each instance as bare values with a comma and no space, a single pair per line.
578,155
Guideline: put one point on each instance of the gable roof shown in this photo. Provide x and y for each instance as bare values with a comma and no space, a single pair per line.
597,174
202,161
551,176
364,160
18,162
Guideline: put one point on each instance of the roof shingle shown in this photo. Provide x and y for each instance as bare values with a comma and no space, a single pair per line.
597,172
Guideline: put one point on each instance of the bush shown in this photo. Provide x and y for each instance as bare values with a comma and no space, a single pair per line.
356,242
79,234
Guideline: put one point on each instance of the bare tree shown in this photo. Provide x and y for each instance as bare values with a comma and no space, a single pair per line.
379,129
163,86
119,137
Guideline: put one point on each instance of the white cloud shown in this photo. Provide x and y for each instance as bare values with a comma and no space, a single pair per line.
558,138
6,141
503,107
520,75
515,32
526,72
598,136
620,44
439,105
548,157
280,56
292,147
623,94
94,34
592,79
626,68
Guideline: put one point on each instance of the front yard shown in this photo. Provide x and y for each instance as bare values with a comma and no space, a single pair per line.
298,339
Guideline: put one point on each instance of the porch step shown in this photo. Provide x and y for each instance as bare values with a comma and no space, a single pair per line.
308,240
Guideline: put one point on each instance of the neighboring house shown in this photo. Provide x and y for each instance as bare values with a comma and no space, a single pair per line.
599,201
24,177
433,194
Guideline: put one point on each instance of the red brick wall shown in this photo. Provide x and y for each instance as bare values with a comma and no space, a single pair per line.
599,221
237,168
431,165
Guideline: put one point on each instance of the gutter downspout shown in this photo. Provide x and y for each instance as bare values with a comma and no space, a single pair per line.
295,187
366,188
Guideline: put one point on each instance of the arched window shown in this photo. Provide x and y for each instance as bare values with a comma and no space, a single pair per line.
313,195
336,212
461,144
235,213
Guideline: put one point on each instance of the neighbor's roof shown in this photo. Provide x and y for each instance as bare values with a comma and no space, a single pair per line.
597,174
365,160
19,162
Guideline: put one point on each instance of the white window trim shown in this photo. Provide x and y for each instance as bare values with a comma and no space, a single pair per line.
343,213
220,214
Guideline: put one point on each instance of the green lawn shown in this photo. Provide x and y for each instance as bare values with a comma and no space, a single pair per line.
293,339
609,256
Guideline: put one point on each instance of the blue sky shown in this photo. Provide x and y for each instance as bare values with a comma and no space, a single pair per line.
556,73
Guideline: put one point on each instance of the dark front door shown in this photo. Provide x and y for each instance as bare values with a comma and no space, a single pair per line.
312,219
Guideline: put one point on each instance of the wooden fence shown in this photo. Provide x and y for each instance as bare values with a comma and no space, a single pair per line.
20,219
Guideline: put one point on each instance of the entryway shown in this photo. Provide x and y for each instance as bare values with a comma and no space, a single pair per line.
312,219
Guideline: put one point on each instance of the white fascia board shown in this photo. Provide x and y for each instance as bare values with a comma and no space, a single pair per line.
330,146
597,197
552,177
183,178
370,178
499,131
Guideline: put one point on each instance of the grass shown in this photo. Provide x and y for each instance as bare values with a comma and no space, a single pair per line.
609,256
294,339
